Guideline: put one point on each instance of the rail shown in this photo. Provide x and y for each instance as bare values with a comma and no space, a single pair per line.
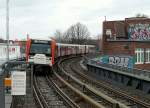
86,98
88,88
62,94
112,90
39,97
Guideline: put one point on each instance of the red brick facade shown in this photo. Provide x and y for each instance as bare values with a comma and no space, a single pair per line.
118,41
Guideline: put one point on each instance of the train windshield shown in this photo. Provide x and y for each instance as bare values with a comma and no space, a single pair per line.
40,49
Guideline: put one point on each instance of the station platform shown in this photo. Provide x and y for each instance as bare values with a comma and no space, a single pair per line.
8,100
8,97
137,73
138,79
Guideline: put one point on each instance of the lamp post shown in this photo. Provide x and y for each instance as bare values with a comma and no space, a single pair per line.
7,28
2,75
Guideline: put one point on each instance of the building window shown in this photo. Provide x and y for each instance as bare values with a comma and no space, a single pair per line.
147,55
139,56
108,33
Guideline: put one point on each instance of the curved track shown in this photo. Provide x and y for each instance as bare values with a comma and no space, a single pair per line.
74,91
114,93
90,92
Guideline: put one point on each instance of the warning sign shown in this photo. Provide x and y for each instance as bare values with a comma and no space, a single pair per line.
18,85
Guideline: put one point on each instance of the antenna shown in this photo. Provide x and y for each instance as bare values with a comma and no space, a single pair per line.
7,28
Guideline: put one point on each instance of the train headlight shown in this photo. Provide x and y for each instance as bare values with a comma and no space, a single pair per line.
31,57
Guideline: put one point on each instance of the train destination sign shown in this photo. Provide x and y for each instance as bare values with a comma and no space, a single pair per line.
18,83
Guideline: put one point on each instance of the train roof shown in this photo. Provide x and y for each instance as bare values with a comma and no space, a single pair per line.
43,39
63,44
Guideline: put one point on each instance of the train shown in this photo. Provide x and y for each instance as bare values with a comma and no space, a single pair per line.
44,52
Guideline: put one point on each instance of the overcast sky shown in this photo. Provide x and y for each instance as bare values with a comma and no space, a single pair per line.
40,18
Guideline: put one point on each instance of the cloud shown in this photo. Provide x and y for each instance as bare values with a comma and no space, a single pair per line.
42,17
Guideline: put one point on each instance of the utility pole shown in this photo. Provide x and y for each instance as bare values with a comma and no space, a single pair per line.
2,75
7,28
105,18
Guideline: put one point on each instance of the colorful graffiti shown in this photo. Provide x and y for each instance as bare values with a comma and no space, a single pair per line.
139,31
123,61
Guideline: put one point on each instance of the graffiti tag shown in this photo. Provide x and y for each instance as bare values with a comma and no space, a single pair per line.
119,61
139,31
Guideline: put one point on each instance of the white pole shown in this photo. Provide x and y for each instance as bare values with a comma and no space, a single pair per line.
7,28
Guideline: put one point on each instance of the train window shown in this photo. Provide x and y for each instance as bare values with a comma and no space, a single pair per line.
40,49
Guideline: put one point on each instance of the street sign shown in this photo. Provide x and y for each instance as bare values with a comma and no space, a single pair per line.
18,85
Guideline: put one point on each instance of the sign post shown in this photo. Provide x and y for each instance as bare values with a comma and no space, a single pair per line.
18,83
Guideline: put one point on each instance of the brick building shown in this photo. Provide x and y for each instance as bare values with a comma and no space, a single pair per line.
125,39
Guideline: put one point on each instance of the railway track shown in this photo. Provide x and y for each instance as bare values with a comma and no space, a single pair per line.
46,96
74,93
114,93
88,91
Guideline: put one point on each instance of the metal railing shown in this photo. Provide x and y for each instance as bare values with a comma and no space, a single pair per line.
6,68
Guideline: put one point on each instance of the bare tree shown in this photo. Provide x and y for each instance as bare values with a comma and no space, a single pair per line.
77,34
58,36
2,40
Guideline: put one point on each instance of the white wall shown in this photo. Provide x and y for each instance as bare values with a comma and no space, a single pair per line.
14,51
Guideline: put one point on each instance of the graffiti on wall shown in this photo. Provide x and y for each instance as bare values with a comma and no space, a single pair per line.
123,61
139,31
119,61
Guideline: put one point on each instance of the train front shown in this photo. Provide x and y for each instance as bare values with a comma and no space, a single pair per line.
40,53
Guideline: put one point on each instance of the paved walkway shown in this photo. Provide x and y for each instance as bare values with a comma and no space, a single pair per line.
8,99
